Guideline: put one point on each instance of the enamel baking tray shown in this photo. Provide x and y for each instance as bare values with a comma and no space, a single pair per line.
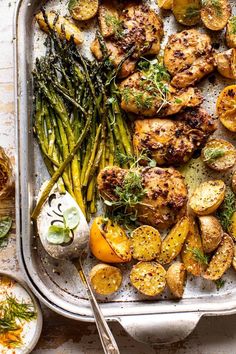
57,284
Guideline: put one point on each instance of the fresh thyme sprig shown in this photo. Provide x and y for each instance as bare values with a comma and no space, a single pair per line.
192,12
135,161
199,255
226,210
116,24
212,154
215,4
219,283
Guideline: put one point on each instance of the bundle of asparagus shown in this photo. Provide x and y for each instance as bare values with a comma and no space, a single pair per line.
78,121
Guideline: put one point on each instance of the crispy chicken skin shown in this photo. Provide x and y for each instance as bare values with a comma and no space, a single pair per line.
136,98
172,142
134,25
166,193
188,57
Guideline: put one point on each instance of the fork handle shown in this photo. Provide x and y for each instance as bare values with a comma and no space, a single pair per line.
107,339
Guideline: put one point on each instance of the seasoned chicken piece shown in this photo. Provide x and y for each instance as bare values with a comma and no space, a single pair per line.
200,68
173,141
108,18
137,27
143,28
140,96
165,199
188,57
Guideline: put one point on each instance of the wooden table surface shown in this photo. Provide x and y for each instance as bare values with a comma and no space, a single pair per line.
60,335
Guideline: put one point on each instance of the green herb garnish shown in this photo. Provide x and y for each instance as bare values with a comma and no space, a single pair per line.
192,12
228,207
71,218
199,255
219,283
134,161
115,24
212,154
232,23
215,4
5,226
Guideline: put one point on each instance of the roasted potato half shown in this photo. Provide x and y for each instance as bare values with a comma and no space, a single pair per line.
231,32
226,107
173,243
233,182
232,227
192,243
165,4
63,27
207,197
187,12
145,243
83,10
108,18
148,277
211,232
215,14
105,279
176,279
108,242
226,63
219,154
221,260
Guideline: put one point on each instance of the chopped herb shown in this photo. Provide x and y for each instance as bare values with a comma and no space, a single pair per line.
135,160
215,4
141,99
232,23
212,154
228,207
115,24
192,12
199,255
178,100
219,283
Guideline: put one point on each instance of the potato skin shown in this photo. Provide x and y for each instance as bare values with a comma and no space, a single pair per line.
103,248
216,18
207,197
184,11
145,243
211,232
165,4
149,278
83,10
230,33
70,28
233,182
176,279
193,241
224,162
173,243
105,279
226,63
221,260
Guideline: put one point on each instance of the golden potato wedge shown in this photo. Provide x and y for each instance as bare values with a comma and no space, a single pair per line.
211,232
148,277
165,4
108,19
83,10
108,242
233,182
173,243
234,259
207,197
176,279
187,12
232,228
231,32
145,243
215,14
192,243
219,154
105,279
226,63
64,28
221,260
226,107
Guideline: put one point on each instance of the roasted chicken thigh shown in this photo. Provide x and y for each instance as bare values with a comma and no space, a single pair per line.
165,198
173,141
